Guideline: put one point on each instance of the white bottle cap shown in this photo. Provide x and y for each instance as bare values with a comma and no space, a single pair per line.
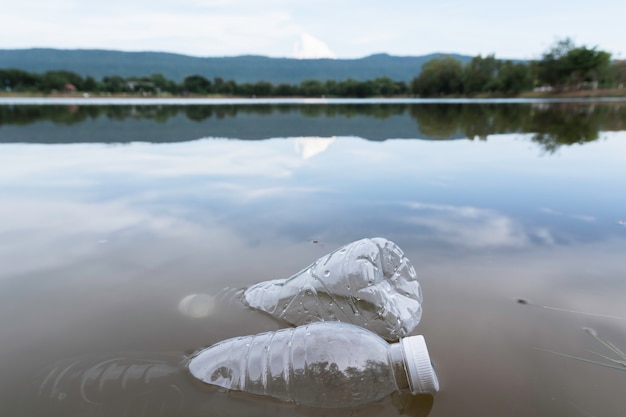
420,372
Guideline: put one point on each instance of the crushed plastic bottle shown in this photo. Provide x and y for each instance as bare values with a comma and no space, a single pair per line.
369,283
328,364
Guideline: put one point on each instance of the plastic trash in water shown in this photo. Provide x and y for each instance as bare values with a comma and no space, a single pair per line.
327,364
159,384
369,283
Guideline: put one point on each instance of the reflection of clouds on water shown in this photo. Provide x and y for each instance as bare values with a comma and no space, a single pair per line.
581,217
72,198
201,157
214,189
309,147
544,235
65,232
474,227
254,193
468,226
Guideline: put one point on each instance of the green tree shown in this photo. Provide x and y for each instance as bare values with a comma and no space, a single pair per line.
401,88
347,88
480,75
196,84
312,88
366,89
552,68
114,84
224,87
331,87
587,65
19,80
58,80
513,78
618,73
385,86
567,65
262,89
285,90
162,84
439,77
90,84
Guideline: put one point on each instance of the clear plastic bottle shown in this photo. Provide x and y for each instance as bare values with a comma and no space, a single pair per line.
369,283
327,364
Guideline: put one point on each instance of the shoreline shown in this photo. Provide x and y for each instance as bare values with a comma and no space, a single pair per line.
578,94
77,99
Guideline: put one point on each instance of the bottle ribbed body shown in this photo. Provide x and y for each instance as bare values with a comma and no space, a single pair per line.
320,364
369,283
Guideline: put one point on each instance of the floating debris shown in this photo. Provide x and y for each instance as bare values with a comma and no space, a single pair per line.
619,364
525,301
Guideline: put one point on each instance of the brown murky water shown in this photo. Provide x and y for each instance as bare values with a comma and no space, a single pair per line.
126,233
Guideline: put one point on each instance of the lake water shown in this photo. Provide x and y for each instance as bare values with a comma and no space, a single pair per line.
513,214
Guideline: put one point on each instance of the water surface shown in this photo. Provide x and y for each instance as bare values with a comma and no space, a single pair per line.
512,214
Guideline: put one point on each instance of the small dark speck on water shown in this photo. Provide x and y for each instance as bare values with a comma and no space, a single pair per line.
522,301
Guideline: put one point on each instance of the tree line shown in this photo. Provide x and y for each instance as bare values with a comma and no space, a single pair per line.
564,66
63,81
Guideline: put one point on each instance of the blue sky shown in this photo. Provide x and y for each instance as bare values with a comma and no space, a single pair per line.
309,29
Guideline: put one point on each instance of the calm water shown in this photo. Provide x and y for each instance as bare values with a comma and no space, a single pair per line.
513,214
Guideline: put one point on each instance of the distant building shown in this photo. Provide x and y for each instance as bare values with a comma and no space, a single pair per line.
543,88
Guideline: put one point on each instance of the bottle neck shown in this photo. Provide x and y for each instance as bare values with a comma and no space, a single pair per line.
398,367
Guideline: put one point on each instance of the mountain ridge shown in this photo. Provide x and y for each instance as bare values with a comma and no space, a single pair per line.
100,63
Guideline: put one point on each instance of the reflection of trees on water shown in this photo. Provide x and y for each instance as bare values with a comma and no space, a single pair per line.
552,124
335,384
200,113
568,126
378,111
443,121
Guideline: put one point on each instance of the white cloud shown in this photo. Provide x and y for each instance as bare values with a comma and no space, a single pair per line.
194,32
356,29
309,47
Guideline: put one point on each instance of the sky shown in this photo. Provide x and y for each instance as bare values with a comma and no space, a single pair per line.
315,29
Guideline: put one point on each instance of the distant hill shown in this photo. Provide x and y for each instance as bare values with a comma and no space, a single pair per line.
248,68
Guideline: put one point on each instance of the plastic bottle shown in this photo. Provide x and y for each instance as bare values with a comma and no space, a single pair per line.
327,364
369,283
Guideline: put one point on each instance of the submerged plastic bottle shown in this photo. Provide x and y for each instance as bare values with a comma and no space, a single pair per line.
369,283
327,364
